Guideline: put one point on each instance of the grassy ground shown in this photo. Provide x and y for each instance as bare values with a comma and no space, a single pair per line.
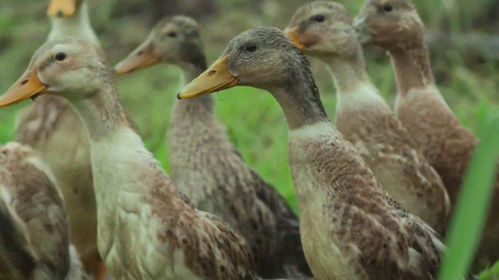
468,78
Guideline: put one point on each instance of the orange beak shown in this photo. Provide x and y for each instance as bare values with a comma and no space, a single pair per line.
26,87
144,56
293,34
215,78
61,8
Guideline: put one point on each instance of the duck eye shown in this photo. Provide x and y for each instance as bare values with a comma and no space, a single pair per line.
387,8
250,47
172,34
319,18
60,56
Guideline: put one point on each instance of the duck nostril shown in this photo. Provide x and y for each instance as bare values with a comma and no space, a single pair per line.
140,52
212,72
60,13
24,82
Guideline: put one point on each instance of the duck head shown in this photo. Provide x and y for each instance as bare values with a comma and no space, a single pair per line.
174,40
70,68
390,24
262,57
323,28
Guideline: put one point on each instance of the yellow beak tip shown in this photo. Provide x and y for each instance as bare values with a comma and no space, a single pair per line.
292,34
27,87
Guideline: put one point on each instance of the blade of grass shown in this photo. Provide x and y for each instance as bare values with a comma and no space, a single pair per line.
491,273
468,221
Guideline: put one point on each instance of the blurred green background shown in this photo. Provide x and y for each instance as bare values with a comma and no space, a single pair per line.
463,37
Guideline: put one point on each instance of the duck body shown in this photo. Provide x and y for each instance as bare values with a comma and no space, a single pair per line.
210,171
162,229
55,131
438,134
393,156
449,147
34,235
347,220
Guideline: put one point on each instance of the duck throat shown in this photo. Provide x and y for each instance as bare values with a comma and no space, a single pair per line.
101,112
348,73
412,68
355,92
77,25
300,101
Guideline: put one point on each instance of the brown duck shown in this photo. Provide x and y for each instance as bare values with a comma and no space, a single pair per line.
396,26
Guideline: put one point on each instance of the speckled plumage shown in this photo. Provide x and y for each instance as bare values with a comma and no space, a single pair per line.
146,229
346,218
51,127
208,169
422,109
34,242
438,134
365,119
143,215
350,228
397,164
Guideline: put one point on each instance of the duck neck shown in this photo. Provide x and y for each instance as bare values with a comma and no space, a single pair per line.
354,88
412,68
77,25
101,112
193,105
348,73
300,100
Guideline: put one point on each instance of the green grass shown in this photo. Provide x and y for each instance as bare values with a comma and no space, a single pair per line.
469,81
469,218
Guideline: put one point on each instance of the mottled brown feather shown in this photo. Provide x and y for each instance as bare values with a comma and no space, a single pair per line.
361,218
389,151
38,210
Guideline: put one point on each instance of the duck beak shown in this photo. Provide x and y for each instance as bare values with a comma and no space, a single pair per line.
215,78
27,87
61,8
293,34
361,28
142,57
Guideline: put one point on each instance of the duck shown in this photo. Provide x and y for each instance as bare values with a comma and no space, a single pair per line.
52,128
146,228
395,26
350,227
34,241
215,177
323,29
